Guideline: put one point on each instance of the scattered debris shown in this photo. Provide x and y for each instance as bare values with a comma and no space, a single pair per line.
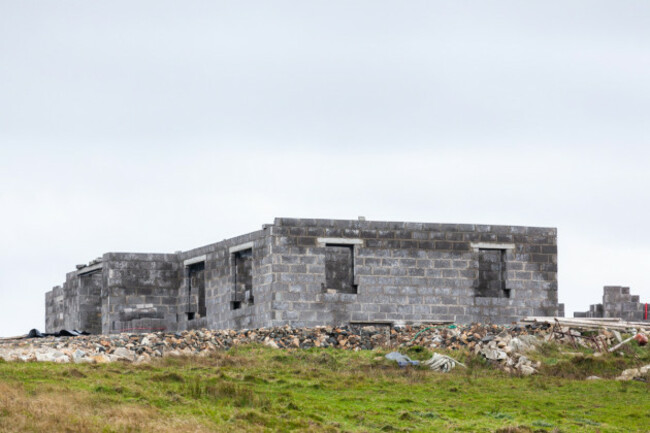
597,333
35,333
617,335
576,338
493,354
402,360
610,323
442,363
507,353
639,338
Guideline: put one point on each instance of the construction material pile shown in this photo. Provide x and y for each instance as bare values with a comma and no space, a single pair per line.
599,334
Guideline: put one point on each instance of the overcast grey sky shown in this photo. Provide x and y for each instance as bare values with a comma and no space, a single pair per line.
165,125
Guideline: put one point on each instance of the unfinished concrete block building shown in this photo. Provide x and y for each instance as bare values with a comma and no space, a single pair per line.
309,272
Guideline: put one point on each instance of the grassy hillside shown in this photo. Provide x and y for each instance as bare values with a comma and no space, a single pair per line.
255,389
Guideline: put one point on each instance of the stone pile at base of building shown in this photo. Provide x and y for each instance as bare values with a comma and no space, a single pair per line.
502,345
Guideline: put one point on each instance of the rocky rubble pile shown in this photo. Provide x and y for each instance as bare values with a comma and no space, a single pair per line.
502,345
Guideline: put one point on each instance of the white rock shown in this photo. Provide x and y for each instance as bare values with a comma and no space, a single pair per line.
523,343
51,355
100,359
122,353
44,357
523,361
78,356
144,358
526,370
494,354
27,357
61,358
629,374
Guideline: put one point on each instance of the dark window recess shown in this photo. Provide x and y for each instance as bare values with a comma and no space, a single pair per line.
339,268
196,286
492,274
243,263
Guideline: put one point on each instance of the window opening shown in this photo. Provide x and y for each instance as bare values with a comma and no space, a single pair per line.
243,292
492,273
339,268
196,286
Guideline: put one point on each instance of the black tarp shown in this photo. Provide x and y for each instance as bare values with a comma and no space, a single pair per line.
35,333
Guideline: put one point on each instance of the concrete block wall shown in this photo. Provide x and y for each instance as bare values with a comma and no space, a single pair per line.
54,310
72,319
140,292
617,302
410,272
595,310
220,284
76,304
132,292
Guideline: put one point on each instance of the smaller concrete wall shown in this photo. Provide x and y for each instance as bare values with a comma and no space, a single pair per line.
54,312
140,292
617,302
76,304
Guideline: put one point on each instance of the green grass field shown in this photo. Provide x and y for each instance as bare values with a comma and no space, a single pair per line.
257,389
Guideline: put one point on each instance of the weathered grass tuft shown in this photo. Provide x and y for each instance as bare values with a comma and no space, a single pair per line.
581,366
227,393
78,412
